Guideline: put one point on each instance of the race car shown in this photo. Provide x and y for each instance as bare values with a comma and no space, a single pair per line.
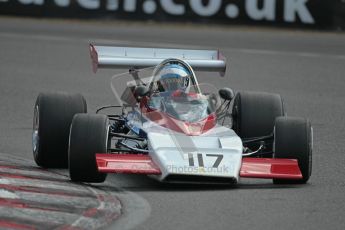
171,127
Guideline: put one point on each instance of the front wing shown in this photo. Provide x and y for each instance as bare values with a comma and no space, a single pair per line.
265,168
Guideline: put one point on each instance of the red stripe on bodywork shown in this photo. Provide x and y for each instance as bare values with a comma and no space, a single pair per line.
126,163
169,122
270,168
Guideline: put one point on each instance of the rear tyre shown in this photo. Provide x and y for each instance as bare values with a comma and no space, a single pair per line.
89,135
254,114
53,114
293,138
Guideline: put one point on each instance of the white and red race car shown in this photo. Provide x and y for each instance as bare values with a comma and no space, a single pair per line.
170,126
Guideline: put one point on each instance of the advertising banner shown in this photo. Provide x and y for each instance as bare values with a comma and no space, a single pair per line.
318,14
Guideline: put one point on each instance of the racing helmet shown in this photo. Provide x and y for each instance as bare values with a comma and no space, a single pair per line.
173,75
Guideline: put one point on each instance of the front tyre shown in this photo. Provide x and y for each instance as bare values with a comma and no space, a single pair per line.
254,114
89,135
53,114
293,138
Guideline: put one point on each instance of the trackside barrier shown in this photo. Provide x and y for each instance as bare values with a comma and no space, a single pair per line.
312,14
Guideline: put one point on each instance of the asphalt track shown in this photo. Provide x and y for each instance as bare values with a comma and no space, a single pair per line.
306,68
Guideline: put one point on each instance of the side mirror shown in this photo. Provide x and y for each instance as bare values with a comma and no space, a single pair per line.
141,91
226,94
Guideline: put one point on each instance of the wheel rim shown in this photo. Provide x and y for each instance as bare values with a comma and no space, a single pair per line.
35,135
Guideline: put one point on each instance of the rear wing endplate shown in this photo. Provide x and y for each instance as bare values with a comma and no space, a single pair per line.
130,57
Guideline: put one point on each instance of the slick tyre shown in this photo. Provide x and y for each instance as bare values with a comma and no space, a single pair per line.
53,114
293,138
254,114
89,135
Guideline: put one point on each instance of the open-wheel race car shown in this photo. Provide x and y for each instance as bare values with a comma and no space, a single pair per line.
171,127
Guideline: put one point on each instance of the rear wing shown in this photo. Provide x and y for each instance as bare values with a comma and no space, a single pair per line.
130,57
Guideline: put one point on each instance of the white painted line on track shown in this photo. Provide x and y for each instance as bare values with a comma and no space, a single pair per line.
7,194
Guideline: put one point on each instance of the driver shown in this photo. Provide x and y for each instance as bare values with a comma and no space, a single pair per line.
174,80
174,91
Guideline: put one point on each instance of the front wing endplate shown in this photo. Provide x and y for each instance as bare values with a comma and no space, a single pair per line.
270,168
126,163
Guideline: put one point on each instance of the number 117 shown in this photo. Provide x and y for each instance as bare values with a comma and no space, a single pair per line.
200,158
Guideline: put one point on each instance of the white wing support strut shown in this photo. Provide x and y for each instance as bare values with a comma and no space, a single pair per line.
130,57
